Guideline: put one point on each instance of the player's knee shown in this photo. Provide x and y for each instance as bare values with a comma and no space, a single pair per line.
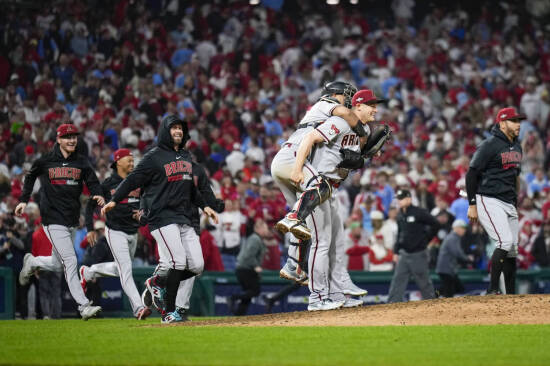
197,266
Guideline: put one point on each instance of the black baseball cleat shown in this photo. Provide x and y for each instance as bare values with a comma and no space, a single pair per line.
494,292
183,314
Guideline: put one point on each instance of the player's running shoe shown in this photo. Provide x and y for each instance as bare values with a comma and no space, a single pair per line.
83,281
87,311
297,227
326,304
173,317
26,270
352,303
157,293
143,313
292,272
183,314
353,290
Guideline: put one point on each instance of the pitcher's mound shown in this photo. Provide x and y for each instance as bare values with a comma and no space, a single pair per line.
469,310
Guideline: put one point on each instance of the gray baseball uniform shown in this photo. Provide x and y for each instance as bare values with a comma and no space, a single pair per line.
327,271
283,161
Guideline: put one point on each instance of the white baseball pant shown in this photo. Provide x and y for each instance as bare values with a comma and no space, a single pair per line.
63,258
123,247
320,255
339,278
186,287
179,248
281,167
500,221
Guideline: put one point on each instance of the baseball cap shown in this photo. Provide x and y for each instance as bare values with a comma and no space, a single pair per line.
459,223
509,114
376,215
67,129
365,96
402,193
119,154
99,225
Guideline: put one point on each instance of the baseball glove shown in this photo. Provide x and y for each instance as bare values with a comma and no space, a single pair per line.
351,159
377,139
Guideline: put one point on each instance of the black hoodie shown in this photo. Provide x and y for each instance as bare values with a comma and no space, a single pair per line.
497,163
166,179
120,218
61,186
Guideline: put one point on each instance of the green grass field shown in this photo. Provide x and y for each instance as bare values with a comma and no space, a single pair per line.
128,342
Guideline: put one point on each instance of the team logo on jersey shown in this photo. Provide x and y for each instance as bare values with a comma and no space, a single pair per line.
333,130
510,159
350,140
64,175
178,170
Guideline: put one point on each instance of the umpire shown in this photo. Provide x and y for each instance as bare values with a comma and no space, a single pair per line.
492,183
416,227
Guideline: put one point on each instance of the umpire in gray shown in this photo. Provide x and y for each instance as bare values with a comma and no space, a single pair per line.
450,254
416,227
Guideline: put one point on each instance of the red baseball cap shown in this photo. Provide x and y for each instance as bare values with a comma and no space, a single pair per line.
366,96
509,114
119,154
67,129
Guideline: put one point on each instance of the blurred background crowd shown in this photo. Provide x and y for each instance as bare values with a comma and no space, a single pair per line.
243,75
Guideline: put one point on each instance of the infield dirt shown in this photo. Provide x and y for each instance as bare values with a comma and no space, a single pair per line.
469,310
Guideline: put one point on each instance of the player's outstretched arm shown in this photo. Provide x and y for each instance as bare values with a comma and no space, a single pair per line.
351,118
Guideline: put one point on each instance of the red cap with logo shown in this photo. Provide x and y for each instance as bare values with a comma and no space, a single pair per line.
119,154
67,129
509,114
365,96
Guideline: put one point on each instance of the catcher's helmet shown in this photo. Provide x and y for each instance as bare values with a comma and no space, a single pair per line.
340,87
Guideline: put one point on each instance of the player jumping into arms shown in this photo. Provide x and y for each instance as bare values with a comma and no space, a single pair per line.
339,151
62,173
335,101
492,185
121,234
166,175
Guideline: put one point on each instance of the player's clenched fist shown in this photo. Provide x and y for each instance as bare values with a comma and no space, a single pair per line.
20,208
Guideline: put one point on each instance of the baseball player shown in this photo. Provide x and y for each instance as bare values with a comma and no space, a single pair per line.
492,185
328,276
121,234
335,101
154,292
62,173
166,175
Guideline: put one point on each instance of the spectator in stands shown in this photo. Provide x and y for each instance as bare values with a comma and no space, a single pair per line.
231,226
357,247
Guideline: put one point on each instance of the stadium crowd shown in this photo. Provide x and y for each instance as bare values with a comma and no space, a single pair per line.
242,76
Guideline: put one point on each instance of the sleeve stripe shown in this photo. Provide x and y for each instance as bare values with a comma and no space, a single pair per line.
333,108
322,134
